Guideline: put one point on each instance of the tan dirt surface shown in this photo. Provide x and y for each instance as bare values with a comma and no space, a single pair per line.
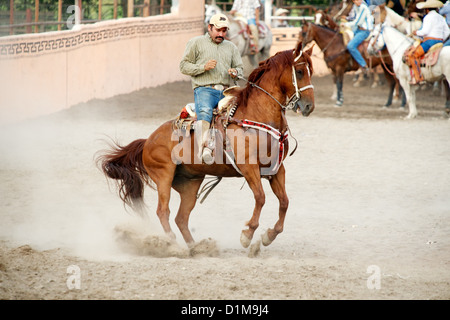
368,216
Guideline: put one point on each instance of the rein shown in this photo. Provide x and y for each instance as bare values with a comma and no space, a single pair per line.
384,64
330,58
275,133
294,98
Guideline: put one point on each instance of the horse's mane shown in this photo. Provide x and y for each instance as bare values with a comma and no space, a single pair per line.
325,28
281,60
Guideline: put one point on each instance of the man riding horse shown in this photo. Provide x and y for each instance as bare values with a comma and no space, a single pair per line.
210,60
434,30
249,10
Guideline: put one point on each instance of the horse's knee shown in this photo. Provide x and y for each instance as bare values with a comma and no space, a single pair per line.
180,221
284,203
260,199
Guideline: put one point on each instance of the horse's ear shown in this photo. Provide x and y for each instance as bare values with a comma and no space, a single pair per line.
298,49
310,50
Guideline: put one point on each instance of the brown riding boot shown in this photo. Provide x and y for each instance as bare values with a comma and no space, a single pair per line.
414,61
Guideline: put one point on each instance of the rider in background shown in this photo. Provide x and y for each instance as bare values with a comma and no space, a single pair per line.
210,60
434,30
361,27
397,5
280,23
249,9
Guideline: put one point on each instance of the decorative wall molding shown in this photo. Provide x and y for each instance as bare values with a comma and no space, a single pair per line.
36,44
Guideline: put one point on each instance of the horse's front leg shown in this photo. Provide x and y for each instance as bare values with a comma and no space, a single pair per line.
340,93
252,175
410,93
277,183
447,96
334,94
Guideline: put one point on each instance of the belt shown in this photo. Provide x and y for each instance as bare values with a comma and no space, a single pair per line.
431,38
362,29
219,87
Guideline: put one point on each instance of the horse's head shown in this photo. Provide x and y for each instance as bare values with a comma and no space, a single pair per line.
305,35
284,79
298,85
379,14
376,41
210,10
319,17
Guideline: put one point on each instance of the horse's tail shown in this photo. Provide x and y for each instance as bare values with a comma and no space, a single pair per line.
124,164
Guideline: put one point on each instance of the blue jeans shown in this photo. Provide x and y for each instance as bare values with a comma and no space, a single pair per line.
206,99
352,46
251,21
426,45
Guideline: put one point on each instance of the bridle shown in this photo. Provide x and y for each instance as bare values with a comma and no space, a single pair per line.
307,35
296,96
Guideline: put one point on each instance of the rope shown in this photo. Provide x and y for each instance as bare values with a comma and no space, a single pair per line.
384,64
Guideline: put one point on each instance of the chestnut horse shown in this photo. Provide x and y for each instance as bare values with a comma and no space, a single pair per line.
258,111
339,60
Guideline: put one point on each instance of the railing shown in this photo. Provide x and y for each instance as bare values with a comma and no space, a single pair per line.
40,18
297,13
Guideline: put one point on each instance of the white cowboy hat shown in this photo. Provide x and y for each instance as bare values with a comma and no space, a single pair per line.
280,11
429,4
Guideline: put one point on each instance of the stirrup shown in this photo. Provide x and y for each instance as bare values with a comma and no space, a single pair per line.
207,156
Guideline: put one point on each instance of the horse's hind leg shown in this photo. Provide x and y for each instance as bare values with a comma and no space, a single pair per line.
277,183
187,188
163,176
163,210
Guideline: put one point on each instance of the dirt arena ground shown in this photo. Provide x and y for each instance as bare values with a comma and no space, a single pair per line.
368,217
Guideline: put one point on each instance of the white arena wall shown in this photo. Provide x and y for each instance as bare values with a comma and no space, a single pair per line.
47,72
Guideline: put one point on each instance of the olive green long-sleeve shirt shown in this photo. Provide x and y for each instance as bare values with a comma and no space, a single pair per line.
200,50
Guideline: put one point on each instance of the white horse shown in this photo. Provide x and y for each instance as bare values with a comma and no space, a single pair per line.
382,13
237,35
397,43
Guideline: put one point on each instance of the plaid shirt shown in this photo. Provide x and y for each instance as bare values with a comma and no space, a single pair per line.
246,8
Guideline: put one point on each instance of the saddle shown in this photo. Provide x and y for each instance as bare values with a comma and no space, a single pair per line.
187,117
245,29
347,33
429,59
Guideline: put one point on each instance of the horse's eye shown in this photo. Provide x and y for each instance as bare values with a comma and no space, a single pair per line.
299,73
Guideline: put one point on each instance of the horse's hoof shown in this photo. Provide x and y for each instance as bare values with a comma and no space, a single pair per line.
245,241
265,238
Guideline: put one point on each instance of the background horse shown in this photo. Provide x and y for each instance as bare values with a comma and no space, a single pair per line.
285,76
238,34
322,18
382,13
397,43
337,57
